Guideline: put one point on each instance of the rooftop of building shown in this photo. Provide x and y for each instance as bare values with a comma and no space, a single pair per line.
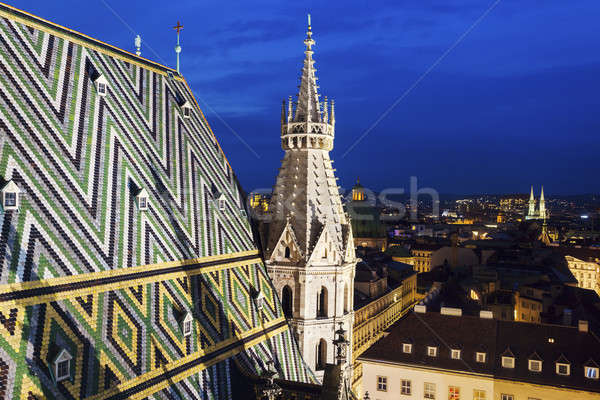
471,334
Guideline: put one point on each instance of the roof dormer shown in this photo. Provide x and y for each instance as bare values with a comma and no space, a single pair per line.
187,324
61,365
508,359
142,200
10,196
535,363
186,108
101,85
563,366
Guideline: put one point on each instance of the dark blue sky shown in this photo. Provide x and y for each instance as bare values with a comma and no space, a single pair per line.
516,102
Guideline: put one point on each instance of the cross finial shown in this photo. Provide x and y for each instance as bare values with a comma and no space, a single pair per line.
178,27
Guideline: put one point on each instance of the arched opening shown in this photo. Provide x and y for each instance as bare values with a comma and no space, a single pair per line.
287,301
287,252
322,303
346,299
321,355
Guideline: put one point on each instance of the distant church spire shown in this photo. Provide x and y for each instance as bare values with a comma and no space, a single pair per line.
542,205
531,212
308,108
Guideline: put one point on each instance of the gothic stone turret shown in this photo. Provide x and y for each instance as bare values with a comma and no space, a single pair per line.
309,247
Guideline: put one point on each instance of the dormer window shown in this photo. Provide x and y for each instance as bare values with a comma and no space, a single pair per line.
432,351
220,200
186,107
10,196
563,369
535,365
480,357
62,366
187,325
508,362
101,85
591,372
142,200
406,348
260,301
455,354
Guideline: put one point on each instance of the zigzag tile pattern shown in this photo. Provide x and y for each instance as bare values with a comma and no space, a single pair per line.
79,159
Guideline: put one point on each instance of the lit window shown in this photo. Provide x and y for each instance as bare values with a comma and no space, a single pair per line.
478,394
507,397
591,372
407,348
535,365
429,391
405,389
563,369
432,351
453,393
382,383
62,366
455,354
480,357
508,362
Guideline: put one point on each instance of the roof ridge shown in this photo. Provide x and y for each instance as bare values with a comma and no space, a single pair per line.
80,38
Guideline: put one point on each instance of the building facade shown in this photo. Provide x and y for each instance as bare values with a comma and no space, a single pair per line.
309,246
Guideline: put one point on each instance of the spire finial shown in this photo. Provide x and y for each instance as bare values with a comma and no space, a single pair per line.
138,45
178,28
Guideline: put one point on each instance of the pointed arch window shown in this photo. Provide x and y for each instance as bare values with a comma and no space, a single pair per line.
287,301
322,303
287,252
321,355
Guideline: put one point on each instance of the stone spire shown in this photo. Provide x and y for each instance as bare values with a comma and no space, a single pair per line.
531,212
308,108
542,205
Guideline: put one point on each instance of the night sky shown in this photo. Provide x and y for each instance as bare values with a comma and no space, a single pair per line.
515,102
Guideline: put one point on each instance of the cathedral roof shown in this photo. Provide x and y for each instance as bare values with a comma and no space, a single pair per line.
83,268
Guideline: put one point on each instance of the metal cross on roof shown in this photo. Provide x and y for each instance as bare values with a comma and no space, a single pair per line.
178,27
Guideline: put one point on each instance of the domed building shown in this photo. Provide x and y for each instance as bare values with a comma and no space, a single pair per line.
358,192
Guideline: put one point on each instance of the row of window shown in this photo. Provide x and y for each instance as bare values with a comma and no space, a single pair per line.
102,90
561,367
430,390
10,199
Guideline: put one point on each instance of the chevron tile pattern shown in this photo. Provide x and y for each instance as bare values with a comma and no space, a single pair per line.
79,159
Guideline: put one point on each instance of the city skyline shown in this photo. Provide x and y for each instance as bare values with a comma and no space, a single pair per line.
501,98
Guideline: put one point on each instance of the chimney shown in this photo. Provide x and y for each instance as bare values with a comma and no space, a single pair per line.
420,308
457,312
583,326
